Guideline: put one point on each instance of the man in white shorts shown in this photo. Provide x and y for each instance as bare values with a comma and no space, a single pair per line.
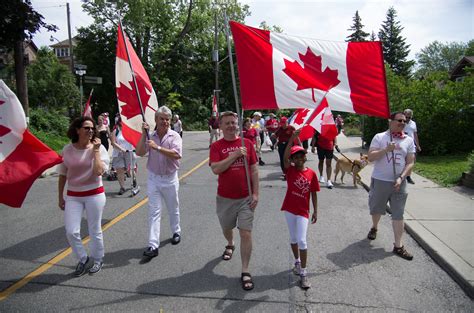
389,184
412,131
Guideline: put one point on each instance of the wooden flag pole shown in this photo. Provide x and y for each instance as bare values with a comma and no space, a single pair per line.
236,97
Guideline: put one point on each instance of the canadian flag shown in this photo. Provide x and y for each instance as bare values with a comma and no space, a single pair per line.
23,157
127,94
278,71
319,119
87,109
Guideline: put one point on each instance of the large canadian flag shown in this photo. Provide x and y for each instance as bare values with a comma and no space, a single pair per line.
23,157
319,119
127,97
278,71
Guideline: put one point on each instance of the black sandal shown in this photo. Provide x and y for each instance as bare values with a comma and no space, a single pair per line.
228,252
248,283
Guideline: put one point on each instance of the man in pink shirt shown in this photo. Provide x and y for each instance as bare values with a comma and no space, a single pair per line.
164,149
235,205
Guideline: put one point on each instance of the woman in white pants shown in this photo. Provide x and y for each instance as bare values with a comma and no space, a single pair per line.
84,162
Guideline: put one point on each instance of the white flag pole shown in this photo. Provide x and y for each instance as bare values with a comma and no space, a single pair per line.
236,97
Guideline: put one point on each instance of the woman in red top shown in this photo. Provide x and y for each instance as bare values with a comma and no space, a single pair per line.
302,185
283,135
251,133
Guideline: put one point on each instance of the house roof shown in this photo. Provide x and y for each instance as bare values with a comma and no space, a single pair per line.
65,43
458,68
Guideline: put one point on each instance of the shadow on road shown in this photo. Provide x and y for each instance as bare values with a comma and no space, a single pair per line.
357,253
194,284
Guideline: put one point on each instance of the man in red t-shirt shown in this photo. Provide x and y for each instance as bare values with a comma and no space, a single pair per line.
325,151
272,125
283,134
235,206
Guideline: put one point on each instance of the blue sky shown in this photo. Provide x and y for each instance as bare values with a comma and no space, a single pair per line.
424,21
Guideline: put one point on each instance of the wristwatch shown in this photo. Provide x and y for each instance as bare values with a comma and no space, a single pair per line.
158,148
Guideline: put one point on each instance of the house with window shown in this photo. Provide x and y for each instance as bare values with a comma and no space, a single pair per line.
63,51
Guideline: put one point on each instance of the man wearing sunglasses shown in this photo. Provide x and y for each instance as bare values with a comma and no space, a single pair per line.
393,154
411,130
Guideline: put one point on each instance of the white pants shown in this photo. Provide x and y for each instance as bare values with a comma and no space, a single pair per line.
298,226
162,187
94,206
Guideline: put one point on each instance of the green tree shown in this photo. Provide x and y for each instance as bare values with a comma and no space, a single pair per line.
439,57
395,49
470,48
19,21
174,40
358,33
52,86
373,37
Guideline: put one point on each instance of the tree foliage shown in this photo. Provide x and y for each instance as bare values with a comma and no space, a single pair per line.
19,21
395,49
174,40
51,84
442,110
358,34
439,57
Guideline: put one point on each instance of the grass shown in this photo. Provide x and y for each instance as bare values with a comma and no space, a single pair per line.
53,141
445,170
352,131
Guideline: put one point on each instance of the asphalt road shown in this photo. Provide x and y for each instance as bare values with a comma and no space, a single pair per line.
348,273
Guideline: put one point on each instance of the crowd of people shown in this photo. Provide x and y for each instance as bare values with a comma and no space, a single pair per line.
235,161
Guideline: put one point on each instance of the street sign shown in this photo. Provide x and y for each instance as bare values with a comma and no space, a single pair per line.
80,67
93,80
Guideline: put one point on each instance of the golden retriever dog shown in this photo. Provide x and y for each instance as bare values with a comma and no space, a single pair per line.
344,165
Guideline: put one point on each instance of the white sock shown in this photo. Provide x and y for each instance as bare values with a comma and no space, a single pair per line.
303,271
297,260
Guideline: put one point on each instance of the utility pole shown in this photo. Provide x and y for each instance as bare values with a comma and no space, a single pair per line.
21,61
71,55
215,56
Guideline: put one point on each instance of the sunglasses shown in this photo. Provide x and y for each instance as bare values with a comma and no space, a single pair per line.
401,121
88,128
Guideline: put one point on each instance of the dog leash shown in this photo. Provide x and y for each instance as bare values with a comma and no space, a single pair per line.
354,164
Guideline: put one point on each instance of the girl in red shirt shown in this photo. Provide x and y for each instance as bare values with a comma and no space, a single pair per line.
302,184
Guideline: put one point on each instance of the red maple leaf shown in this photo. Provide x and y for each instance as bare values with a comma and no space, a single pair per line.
300,115
129,96
4,130
311,75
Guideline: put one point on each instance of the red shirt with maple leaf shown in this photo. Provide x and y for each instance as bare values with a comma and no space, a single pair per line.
284,134
232,183
271,125
300,185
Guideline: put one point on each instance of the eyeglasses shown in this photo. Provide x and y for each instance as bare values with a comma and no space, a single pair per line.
88,128
401,121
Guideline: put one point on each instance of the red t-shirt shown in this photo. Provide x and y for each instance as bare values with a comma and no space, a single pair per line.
251,134
300,185
271,125
285,134
325,144
232,183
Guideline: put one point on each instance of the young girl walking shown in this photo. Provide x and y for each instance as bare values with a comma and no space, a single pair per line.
302,184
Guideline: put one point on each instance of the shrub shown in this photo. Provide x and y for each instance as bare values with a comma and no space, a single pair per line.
470,160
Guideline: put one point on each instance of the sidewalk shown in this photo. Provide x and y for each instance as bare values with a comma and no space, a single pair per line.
439,219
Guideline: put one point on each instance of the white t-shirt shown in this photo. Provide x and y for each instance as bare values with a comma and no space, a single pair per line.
122,142
77,166
410,129
383,167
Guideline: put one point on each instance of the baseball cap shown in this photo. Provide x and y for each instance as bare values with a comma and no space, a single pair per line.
257,113
296,149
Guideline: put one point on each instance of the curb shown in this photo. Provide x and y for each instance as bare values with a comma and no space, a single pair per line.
414,228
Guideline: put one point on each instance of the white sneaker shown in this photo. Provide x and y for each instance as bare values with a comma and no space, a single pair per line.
329,184
322,180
